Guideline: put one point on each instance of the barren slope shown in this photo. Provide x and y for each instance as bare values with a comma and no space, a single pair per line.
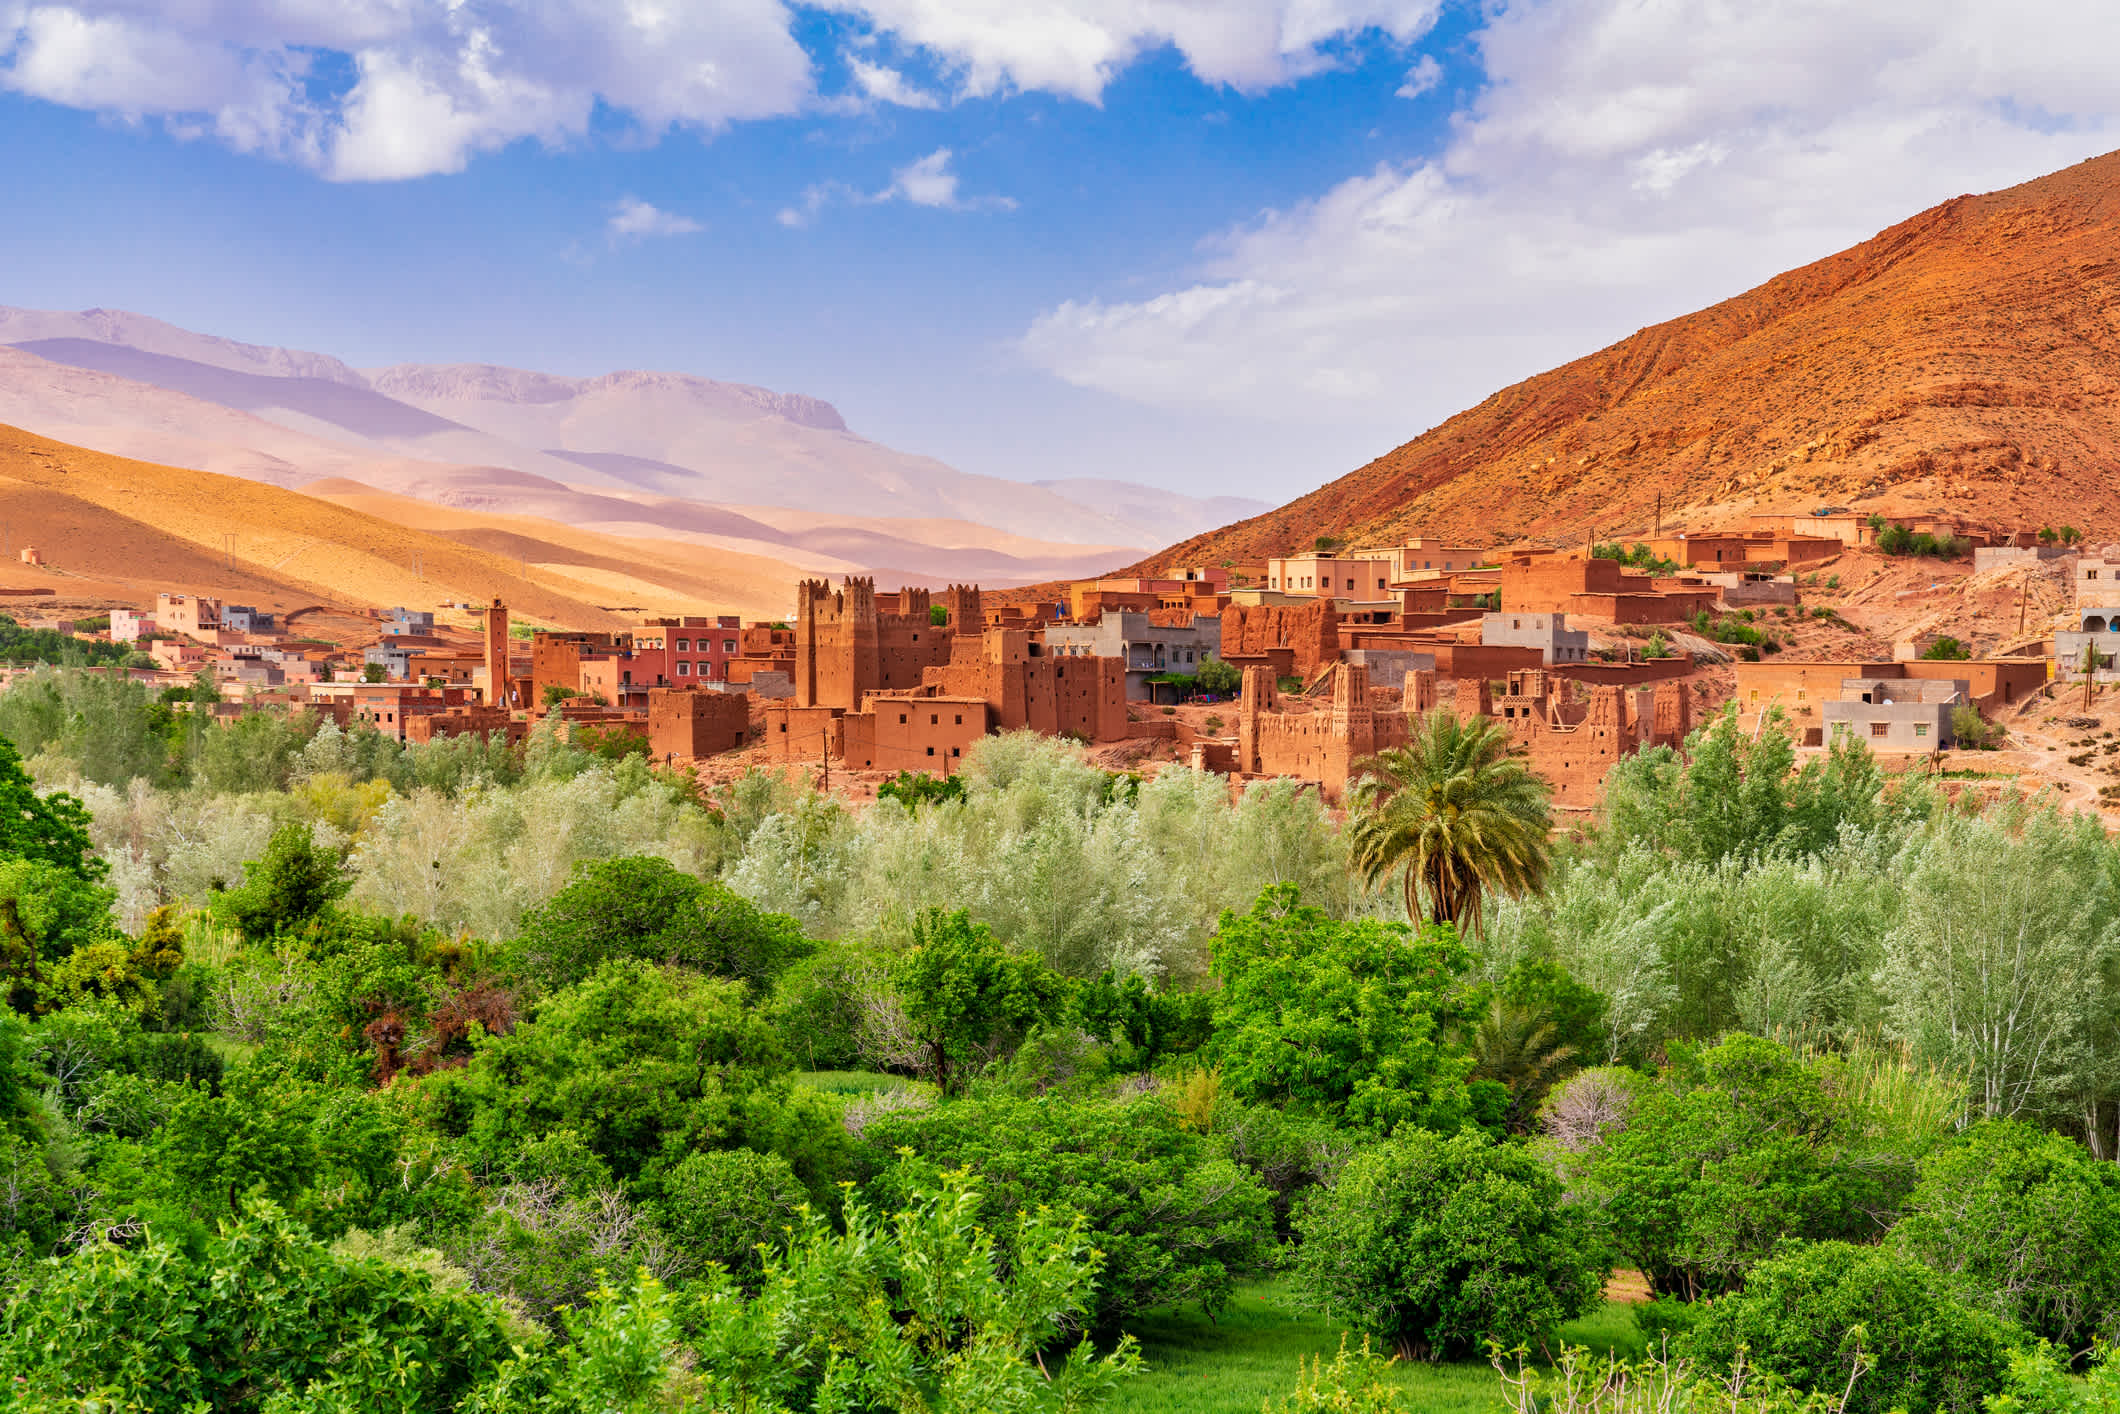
139,528
1967,359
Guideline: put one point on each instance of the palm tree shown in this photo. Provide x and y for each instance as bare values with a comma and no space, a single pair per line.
1456,813
1520,1048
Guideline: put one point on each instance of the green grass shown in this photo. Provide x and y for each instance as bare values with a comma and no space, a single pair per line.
849,1082
1232,1366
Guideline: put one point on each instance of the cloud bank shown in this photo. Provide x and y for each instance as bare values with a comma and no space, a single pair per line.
1626,161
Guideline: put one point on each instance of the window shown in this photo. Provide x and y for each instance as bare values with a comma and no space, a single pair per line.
1878,728
728,645
1350,584
960,722
901,719
684,645
1921,729
2090,574
934,719
931,751
955,752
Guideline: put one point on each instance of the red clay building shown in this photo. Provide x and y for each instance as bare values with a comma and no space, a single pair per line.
687,722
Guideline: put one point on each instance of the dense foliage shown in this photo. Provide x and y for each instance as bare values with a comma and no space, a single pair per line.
1441,1246
586,1087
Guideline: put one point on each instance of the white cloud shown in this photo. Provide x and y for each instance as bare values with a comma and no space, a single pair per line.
1422,78
884,84
435,82
1076,47
926,181
633,219
1627,161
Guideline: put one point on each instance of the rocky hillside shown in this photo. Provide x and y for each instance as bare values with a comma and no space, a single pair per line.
1967,359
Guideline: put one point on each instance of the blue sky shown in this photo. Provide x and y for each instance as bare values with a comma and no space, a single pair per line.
1217,245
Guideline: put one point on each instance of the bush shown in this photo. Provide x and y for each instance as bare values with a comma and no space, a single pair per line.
723,1205
647,908
1177,1219
1946,650
1974,732
1812,1316
1739,1147
968,1002
1439,1246
2026,1224
263,1314
1350,1020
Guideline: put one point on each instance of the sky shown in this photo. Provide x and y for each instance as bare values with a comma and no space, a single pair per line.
1220,246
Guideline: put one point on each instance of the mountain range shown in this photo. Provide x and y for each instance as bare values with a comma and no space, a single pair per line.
1964,361
726,467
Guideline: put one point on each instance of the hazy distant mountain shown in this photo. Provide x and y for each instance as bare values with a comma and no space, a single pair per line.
505,438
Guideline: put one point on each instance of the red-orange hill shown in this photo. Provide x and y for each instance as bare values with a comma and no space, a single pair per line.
1965,360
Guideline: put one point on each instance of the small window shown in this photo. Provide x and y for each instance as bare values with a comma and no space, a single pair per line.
1878,728
728,645
955,752
960,721
901,719
931,751
684,645
934,719
1921,728
684,670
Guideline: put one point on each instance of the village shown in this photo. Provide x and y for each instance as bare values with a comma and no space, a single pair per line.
1298,667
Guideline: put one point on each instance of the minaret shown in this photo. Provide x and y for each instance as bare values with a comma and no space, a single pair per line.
497,654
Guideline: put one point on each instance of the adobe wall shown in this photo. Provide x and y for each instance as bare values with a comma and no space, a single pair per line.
797,733
1995,682
688,722
1639,674
846,647
1311,630
925,734
1326,746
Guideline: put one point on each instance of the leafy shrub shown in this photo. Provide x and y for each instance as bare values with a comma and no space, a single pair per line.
644,907
1350,1020
1739,1147
722,1205
913,789
1178,1220
1440,1246
1946,649
264,1313
1830,1315
1974,732
1354,1383
2026,1224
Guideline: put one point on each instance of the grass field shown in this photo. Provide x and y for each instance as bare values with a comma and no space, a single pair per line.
1231,1366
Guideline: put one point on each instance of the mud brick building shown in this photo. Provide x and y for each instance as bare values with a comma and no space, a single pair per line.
688,723
1326,745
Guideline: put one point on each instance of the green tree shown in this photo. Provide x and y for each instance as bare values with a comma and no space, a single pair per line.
1738,1148
1830,1317
938,615
291,886
967,1000
2025,1224
374,672
1354,1020
1455,816
1439,1246
1176,1219
52,828
48,915
646,1064
1218,677
641,906
1946,649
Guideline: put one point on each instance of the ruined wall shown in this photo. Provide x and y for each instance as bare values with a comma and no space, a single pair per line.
1026,688
1327,746
1312,630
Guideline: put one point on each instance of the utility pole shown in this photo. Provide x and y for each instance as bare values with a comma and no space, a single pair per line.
1659,531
